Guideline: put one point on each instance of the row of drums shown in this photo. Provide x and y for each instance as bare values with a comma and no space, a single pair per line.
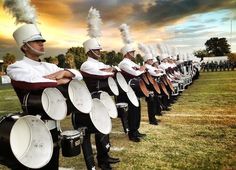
25,138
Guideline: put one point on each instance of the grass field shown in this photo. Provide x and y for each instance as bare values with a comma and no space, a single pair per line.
198,133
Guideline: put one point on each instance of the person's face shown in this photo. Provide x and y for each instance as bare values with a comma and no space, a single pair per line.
96,53
38,45
130,55
150,61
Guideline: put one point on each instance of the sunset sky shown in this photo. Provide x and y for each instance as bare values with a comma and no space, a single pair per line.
185,24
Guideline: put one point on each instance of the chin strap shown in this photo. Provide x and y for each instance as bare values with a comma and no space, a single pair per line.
34,50
95,54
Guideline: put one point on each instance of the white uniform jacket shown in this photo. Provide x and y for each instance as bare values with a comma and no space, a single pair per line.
153,70
93,67
30,71
128,66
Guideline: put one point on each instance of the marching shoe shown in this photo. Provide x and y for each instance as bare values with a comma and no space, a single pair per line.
153,123
105,166
134,138
141,135
113,160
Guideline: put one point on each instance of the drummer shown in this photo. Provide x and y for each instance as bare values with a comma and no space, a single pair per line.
92,68
129,67
153,102
30,73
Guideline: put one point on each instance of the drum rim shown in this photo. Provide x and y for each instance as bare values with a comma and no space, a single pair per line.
112,115
62,98
109,125
114,88
85,111
49,135
119,78
131,91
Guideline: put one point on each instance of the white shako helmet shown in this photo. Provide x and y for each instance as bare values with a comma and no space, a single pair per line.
127,48
27,33
91,44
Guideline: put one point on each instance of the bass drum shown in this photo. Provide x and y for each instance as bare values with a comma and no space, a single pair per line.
98,119
108,102
121,82
25,140
80,96
49,103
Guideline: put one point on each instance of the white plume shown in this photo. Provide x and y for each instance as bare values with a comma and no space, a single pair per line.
153,50
21,10
142,47
124,29
94,23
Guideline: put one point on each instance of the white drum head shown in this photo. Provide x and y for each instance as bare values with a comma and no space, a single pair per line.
113,86
31,142
100,117
122,82
106,99
80,96
54,103
132,97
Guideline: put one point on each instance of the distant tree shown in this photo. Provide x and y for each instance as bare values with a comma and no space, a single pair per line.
79,55
200,53
54,60
7,60
139,59
232,57
61,60
217,46
47,59
112,58
70,61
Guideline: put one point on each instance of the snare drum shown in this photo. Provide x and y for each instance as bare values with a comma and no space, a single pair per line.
25,140
70,143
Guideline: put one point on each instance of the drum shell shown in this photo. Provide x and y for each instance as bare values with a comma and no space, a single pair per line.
32,104
100,85
6,155
71,145
138,85
49,103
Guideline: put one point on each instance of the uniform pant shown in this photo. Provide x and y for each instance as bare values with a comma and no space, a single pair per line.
134,114
102,145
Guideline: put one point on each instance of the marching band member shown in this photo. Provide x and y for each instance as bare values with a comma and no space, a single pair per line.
129,67
93,70
32,74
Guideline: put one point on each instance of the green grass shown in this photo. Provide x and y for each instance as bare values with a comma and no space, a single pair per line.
199,133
